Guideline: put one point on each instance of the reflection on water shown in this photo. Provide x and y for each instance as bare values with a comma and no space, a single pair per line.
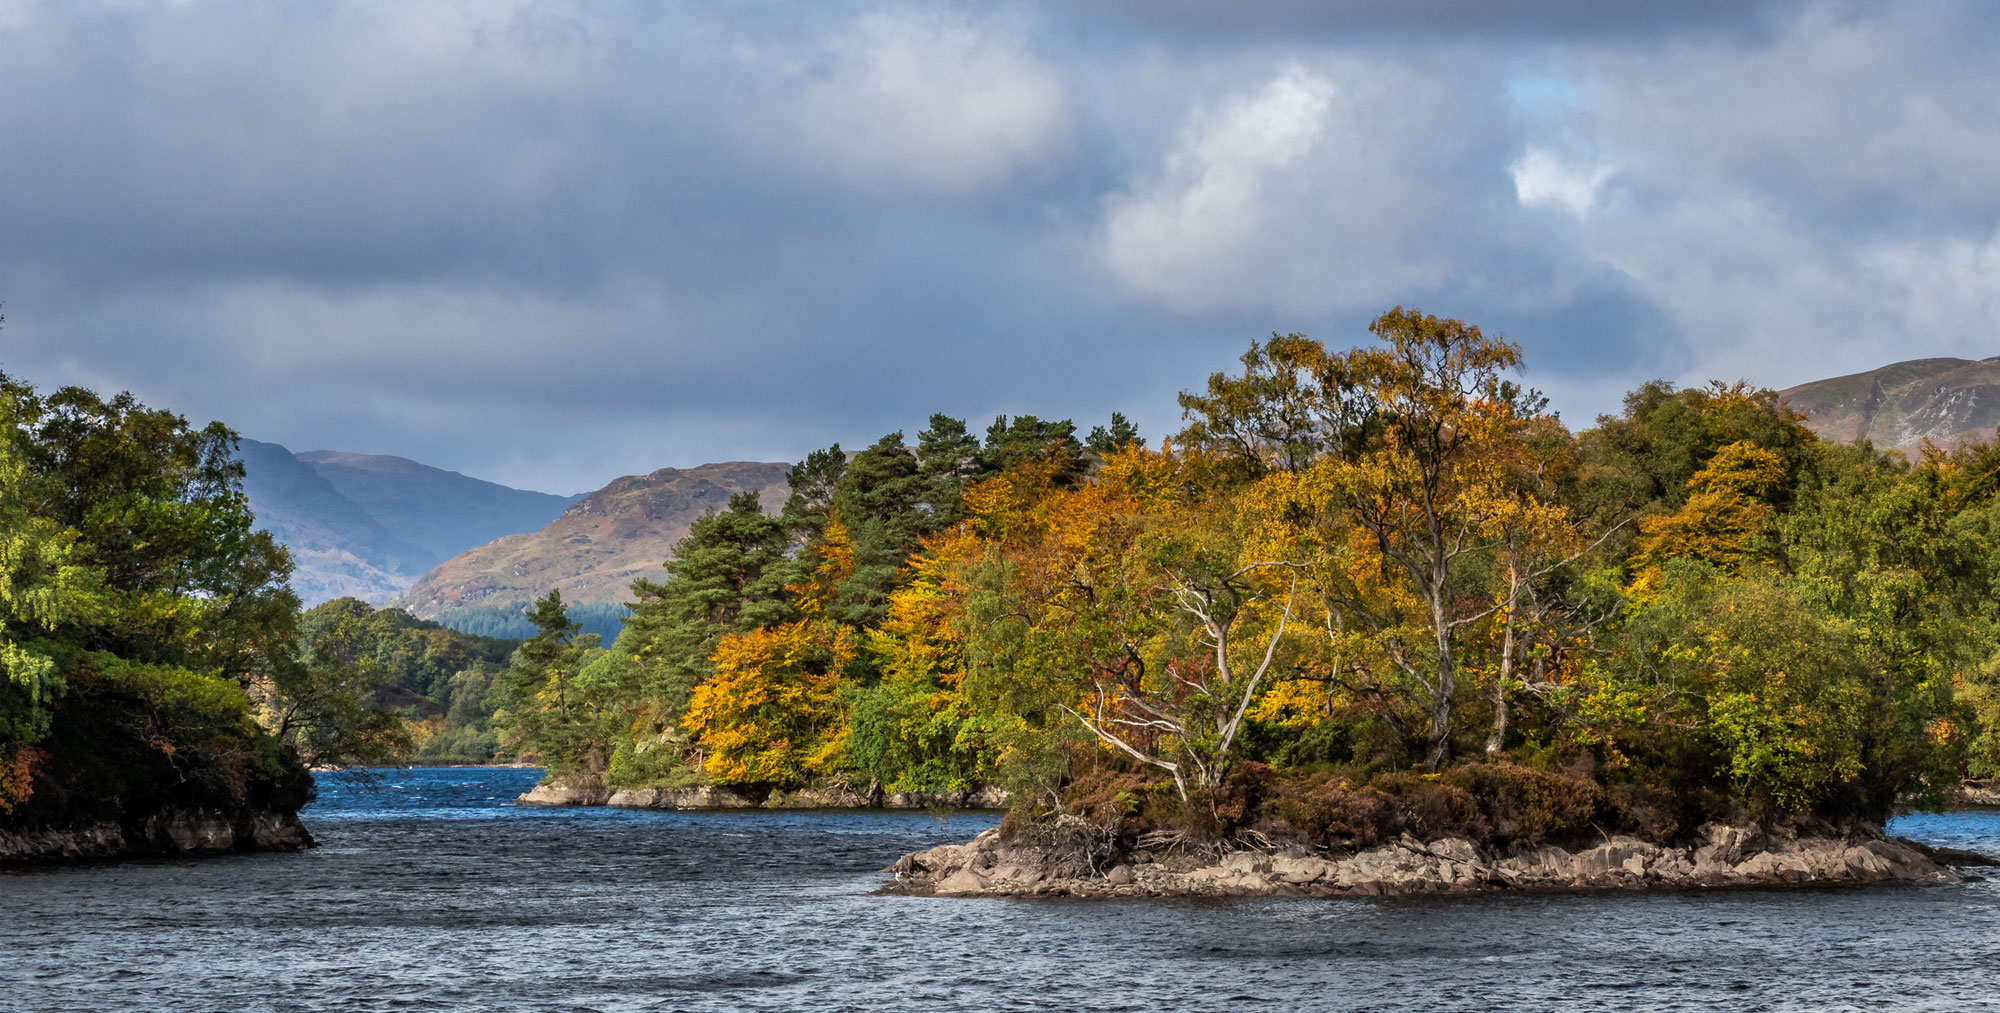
432,891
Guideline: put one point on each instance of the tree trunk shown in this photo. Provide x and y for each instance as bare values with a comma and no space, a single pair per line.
1497,740
1447,683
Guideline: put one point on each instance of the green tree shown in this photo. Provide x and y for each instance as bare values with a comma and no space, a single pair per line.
1120,434
727,576
139,603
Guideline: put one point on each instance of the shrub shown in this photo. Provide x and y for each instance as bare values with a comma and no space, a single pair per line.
1131,804
1432,809
1523,804
1329,808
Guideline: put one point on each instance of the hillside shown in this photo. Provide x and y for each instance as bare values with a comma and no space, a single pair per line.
367,526
1900,405
595,549
440,513
338,549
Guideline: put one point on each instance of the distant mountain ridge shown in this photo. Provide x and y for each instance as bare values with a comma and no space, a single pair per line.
368,525
595,549
1946,401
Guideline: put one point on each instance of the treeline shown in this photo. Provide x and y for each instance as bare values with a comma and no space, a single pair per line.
154,657
1360,591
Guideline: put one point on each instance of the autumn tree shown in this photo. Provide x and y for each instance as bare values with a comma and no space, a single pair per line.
1404,453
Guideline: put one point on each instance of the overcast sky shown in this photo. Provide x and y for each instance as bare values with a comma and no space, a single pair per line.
551,243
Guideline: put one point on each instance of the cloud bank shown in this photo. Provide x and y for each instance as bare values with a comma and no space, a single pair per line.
549,242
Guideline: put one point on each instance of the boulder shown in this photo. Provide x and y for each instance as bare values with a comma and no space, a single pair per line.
561,793
960,883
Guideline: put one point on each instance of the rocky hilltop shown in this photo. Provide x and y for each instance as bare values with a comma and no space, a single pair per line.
594,550
1945,401
1721,856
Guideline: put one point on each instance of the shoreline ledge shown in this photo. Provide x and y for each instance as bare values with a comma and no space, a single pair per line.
712,797
1723,857
168,833
1979,793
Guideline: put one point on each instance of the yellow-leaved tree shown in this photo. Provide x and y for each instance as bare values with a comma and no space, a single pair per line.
774,711
1386,473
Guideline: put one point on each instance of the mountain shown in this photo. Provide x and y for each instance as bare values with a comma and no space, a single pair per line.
595,549
1946,401
440,513
337,548
368,526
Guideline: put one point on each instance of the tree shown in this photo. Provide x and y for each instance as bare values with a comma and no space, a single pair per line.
1103,442
772,714
726,576
138,603
812,483
1403,454
569,722
323,703
1011,442
1726,517
1292,404
948,458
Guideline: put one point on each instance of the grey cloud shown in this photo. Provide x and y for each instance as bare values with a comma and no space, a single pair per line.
549,243
1449,19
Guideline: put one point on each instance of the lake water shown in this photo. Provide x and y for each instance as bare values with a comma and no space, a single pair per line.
432,891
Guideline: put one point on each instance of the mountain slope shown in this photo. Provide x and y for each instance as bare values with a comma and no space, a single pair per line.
1946,401
441,513
367,526
595,549
337,548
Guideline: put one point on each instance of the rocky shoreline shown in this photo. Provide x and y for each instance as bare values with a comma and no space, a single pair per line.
715,797
1723,856
1978,793
172,832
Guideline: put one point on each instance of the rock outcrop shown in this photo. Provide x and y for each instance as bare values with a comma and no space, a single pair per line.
172,832
564,793
1723,856
719,797
1979,793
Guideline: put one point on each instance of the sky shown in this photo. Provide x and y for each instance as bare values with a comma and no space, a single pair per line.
551,243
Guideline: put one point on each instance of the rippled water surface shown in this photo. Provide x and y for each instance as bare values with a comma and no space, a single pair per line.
432,891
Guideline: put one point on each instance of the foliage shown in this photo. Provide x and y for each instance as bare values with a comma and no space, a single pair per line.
566,696
381,686
772,713
1362,593
137,604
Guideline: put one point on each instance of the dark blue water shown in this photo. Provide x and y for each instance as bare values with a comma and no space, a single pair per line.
433,892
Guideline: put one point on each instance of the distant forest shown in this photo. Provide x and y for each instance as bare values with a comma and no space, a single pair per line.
603,619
